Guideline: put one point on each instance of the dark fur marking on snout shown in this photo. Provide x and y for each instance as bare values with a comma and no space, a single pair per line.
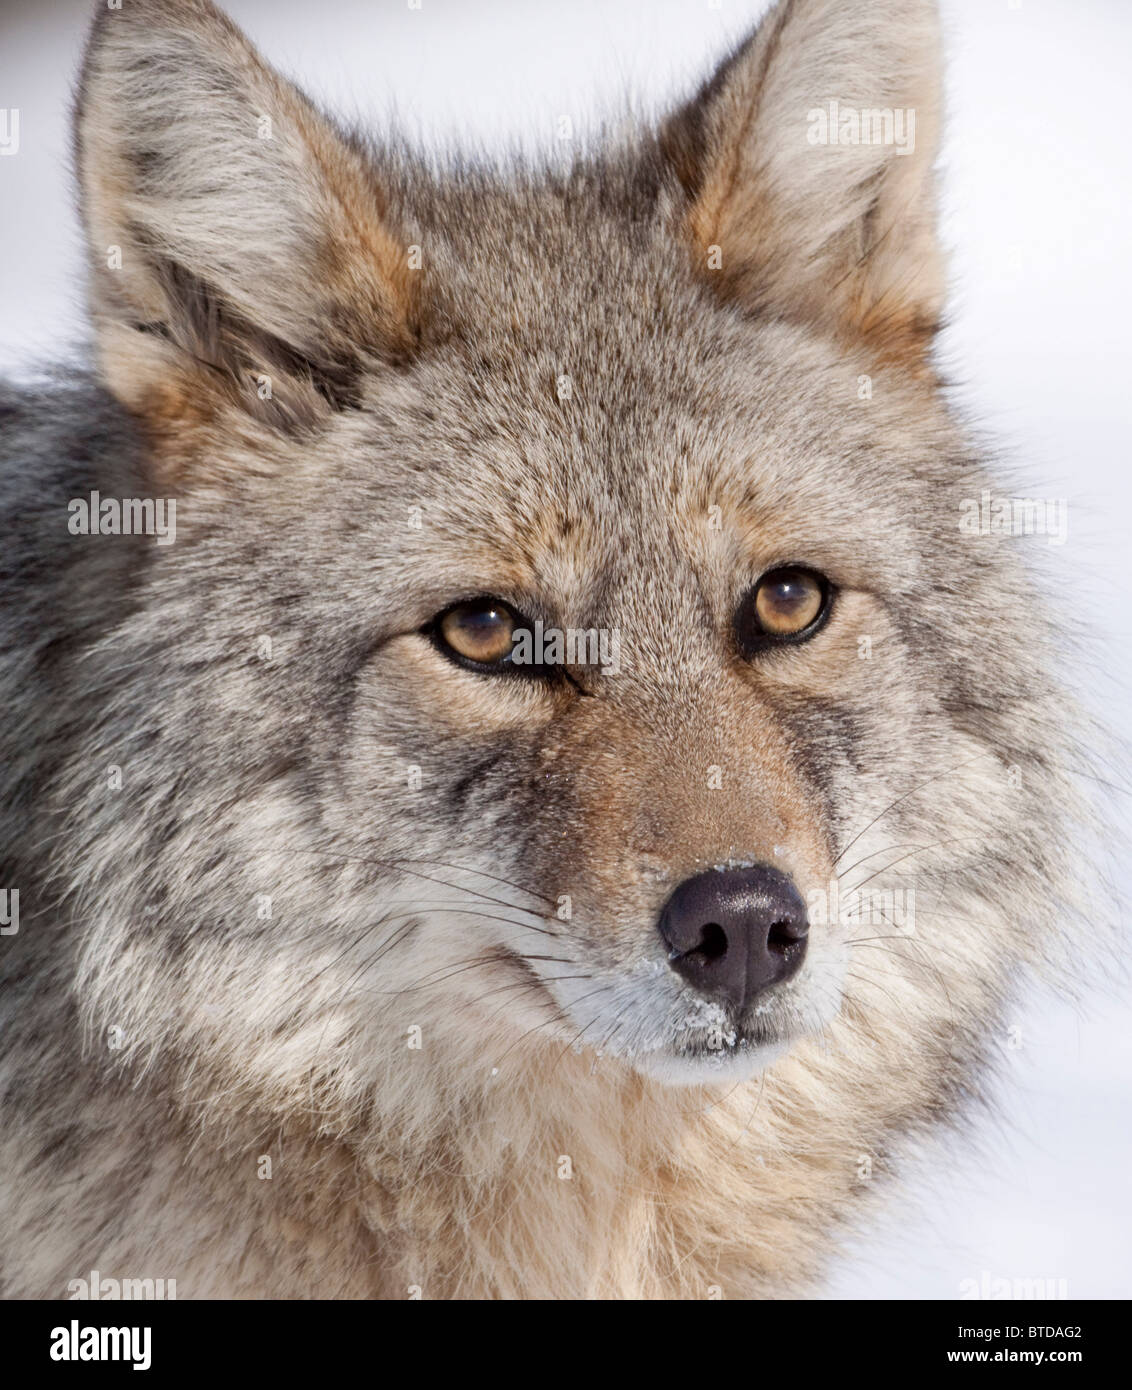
459,794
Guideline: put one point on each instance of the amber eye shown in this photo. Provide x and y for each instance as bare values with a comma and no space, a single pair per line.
479,631
786,605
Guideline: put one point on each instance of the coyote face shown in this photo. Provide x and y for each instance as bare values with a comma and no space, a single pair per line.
568,622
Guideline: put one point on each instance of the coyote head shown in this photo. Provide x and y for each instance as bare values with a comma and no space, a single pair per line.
569,638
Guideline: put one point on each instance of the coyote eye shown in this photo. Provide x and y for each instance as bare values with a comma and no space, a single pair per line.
786,605
479,631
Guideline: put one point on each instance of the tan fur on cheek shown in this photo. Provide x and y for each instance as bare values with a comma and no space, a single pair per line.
824,667
460,702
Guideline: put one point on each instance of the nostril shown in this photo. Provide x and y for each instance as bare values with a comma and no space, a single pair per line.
781,935
713,943
710,945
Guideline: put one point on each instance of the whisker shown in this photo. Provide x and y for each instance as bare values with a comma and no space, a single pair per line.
911,792
441,905
922,965
868,980
500,958
585,1027
384,863
921,849
380,921
884,849
531,983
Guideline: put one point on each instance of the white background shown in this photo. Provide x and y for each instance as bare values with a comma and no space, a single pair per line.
1038,213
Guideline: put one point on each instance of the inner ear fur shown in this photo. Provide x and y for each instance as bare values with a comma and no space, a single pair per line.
786,211
242,254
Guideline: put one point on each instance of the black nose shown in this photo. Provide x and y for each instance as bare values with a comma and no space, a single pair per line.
731,933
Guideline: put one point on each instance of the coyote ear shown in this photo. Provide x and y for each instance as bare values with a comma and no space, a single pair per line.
235,236
808,160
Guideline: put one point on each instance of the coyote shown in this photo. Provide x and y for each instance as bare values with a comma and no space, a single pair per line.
349,953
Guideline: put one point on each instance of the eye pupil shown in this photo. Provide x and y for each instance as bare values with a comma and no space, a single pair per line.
786,594
479,631
786,605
